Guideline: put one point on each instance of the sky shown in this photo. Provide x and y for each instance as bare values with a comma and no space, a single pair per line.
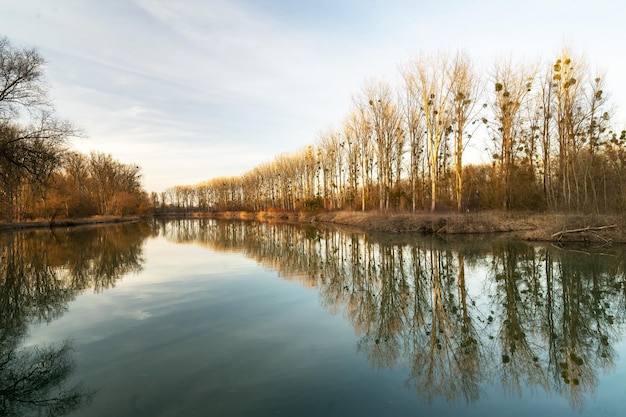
192,90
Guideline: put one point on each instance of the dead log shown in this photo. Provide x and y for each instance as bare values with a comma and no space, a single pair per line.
559,235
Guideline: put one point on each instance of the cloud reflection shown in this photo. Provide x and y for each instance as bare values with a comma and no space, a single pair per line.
457,315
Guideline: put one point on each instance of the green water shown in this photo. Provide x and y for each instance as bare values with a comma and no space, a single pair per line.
214,318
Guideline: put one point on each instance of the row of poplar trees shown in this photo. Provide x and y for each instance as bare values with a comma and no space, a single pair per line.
545,130
40,176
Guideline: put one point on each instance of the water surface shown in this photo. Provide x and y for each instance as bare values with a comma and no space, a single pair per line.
241,318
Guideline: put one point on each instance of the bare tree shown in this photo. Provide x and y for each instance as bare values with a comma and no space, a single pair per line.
330,160
542,113
464,85
32,139
597,128
428,81
385,122
567,77
511,88
113,182
351,132
364,133
414,126
21,81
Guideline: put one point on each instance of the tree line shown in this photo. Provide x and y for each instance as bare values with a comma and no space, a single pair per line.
546,129
40,176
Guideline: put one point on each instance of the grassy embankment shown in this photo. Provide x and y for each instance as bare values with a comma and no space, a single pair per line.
527,226
38,224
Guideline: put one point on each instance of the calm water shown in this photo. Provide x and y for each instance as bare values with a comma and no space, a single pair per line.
245,319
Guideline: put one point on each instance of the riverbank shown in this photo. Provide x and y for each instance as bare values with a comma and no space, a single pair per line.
39,224
553,227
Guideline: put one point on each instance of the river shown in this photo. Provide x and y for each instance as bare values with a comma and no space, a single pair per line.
236,318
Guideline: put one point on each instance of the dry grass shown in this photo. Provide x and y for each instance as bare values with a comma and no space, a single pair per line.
528,226
524,225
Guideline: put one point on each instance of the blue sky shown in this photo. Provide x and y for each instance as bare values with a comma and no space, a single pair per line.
195,89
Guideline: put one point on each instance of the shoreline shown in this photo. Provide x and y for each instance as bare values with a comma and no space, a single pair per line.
529,226
83,221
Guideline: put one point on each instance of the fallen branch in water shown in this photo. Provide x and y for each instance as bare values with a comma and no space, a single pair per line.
559,235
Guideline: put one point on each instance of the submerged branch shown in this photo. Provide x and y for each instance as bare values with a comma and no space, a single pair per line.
559,235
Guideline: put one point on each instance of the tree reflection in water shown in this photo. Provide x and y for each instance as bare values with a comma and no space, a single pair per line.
40,273
457,315
34,380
